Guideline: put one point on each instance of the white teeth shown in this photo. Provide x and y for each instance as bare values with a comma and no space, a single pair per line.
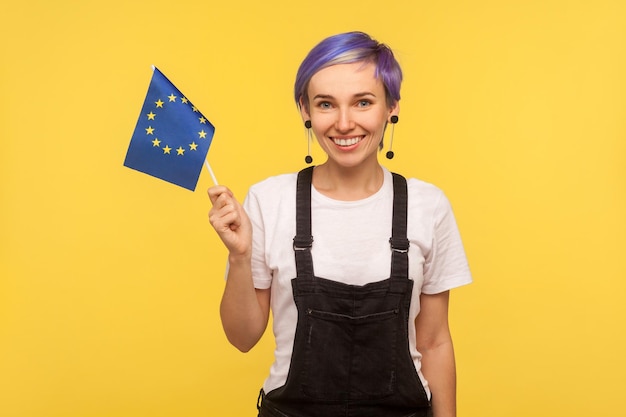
347,142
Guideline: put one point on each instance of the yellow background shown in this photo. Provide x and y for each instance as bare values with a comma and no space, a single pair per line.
111,279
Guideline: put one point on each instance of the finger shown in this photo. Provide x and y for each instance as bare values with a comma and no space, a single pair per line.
226,201
217,191
226,217
220,211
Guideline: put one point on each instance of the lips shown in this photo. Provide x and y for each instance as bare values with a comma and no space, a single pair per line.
345,142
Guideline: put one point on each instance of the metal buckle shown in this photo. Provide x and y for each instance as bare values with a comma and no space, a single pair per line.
303,244
399,245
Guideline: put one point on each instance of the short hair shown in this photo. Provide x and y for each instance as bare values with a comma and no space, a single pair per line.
346,48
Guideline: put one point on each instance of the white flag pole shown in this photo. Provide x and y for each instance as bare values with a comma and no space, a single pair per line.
210,172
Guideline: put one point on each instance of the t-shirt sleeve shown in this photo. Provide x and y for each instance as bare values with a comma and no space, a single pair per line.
261,274
446,265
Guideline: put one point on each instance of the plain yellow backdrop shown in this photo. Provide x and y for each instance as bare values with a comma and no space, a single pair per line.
110,279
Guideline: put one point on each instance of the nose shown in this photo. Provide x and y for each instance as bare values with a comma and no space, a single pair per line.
344,122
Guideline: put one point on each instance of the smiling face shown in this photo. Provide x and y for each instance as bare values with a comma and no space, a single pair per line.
348,112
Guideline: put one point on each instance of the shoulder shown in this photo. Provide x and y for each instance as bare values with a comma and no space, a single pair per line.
415,185
427,200
274,185
272,192
424,193
423,189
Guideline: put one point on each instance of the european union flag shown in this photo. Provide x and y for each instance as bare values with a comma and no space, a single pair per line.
172,137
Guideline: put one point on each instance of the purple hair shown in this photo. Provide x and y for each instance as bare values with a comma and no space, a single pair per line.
346,48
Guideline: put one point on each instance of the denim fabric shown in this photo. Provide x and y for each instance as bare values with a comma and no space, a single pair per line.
350,356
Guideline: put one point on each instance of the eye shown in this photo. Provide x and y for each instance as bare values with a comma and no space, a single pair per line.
324,105
363,103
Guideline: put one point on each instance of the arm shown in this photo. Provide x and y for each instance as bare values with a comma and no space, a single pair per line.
434,342
244,310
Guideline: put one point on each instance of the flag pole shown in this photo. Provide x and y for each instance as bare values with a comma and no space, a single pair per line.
206,163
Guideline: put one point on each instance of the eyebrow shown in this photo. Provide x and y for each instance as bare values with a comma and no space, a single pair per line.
357,95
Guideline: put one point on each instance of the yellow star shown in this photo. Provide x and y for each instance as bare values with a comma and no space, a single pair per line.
159,103
180,150
184,100
156,142
149,130
167,149
172,97
151,116
202,134
193,146
202,120
194,108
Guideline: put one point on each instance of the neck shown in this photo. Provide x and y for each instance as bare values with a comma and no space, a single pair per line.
348,183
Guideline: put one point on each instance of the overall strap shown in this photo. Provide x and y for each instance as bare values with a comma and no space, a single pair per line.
399,241
303,241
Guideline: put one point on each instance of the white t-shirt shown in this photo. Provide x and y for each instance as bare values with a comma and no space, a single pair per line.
351,245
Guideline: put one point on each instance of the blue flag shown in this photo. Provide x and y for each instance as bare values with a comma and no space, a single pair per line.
172,137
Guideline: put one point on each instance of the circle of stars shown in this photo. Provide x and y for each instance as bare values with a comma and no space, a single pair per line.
156,142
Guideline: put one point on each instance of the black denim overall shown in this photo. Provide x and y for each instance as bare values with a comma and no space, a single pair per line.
351,352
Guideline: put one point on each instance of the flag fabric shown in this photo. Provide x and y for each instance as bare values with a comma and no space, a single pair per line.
172,138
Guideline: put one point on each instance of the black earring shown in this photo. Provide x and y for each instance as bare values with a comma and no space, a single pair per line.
393,120
308,158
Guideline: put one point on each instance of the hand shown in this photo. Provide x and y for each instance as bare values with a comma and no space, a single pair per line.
230,221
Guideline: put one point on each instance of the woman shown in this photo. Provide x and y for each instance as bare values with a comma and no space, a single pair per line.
355,262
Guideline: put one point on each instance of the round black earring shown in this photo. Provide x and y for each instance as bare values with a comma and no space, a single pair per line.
308,158
393,120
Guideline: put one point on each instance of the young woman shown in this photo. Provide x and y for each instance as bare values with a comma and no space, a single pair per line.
355,262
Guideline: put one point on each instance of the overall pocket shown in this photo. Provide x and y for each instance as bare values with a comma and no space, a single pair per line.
350,357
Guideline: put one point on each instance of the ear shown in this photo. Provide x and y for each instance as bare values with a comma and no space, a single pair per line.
394,110
304,110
